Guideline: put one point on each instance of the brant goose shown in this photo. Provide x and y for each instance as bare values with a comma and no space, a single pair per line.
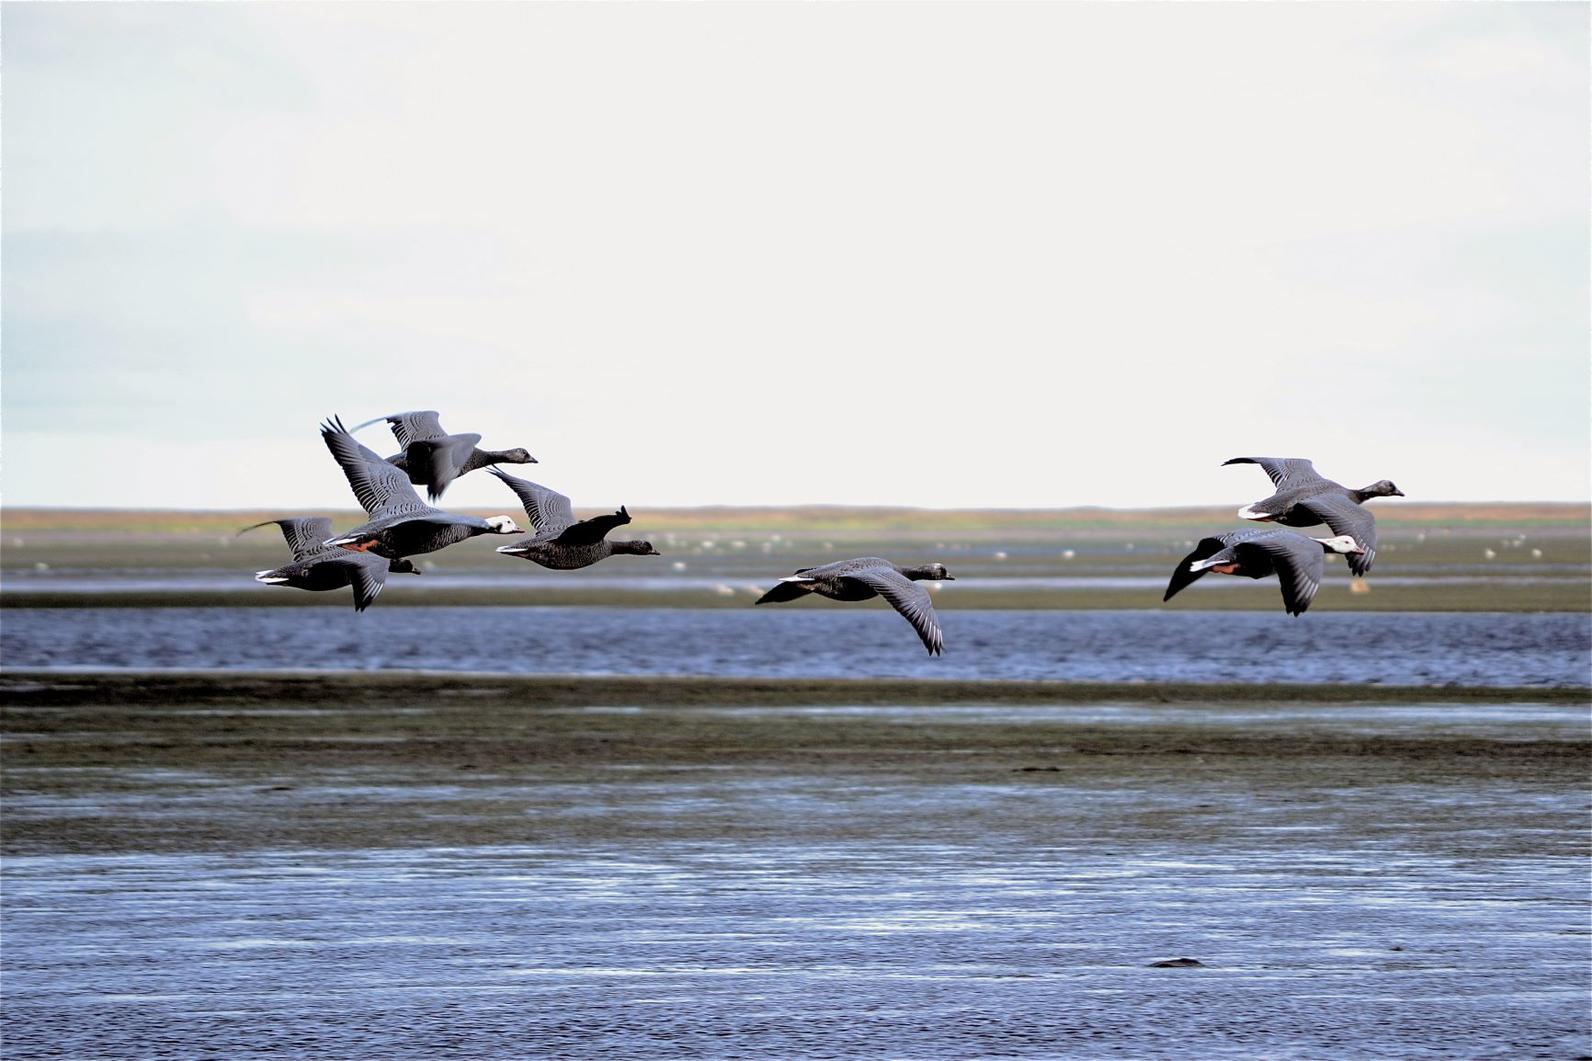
867,577
559,540
1295,559
317,566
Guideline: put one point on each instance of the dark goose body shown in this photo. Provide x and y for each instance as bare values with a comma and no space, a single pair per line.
867,577
562,542
318,567
1296,560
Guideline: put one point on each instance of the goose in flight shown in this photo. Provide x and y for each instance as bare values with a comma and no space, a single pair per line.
400,523
558,539
317,566
867,577
1304,498
1295,559
433,458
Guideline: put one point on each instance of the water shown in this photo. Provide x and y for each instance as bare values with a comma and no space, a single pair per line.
866,914
872,949
1425,648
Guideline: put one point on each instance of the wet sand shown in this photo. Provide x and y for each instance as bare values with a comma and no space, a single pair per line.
423,866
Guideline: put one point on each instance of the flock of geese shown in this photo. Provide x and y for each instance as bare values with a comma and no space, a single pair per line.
401,526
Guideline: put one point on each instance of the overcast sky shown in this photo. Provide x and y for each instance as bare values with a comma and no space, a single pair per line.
947,255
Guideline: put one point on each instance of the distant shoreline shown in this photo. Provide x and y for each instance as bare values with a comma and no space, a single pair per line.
44,686
893,519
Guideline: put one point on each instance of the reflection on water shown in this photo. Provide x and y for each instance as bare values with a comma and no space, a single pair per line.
855,917
1427,648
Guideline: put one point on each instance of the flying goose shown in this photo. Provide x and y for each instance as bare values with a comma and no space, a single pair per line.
558,539
867,577
433,458
317,566
400,524
1295,559
1304,499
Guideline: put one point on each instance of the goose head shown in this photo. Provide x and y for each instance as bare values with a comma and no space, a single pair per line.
1383,488
930,573
501,525
1342,543
402,567
517,455
636,548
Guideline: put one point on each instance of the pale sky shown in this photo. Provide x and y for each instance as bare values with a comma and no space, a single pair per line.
1020,255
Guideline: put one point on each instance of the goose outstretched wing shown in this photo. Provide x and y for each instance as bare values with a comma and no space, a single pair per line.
548,510
847,567
591,531
304,534
1182,577
1298,562
411,426
367,574
908,598
381,489
1344,516
1284,471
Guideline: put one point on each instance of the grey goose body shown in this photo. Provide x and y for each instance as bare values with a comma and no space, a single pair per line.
560,541
1296,560
1305,498
319,567
433,458
867,577
400,524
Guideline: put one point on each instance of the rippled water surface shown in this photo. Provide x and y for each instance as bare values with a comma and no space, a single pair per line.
1425,648
862,915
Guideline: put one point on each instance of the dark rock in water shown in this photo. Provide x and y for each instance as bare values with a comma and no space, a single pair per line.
1179,963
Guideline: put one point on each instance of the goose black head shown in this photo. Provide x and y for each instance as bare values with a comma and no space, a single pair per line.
518,455
402,567
1382,488
636,547
930,573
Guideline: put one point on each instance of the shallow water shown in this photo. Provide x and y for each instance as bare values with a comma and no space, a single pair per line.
1425,648
780,914
870,949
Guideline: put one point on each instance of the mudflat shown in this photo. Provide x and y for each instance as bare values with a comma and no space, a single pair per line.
174,762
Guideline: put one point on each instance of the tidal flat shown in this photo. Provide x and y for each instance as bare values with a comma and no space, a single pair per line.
465,866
